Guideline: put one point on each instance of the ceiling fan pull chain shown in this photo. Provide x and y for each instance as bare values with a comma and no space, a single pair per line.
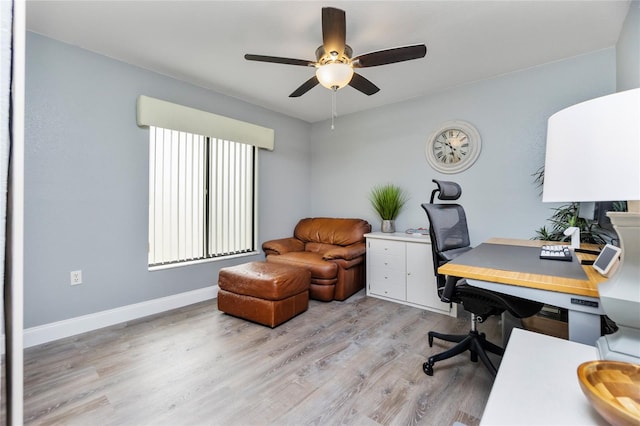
334,114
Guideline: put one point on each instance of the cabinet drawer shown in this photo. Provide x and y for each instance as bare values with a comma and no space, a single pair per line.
380,263
390,283
382,273
386,247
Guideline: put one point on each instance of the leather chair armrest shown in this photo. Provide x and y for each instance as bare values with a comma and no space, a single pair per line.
347,264
282,246
347,252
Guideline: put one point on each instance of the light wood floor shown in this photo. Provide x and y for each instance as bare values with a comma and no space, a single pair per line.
356,362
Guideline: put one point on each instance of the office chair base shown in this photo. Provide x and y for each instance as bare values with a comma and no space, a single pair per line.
474,342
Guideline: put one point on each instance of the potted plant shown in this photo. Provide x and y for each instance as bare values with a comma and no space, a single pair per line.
387,201
566,216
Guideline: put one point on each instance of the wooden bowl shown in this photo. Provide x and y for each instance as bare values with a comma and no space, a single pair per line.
613,388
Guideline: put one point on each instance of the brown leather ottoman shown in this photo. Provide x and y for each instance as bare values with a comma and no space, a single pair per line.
266,293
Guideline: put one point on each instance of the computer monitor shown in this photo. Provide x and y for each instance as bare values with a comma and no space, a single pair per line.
597,212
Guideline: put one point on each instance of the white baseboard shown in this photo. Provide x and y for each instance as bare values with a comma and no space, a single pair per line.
57,330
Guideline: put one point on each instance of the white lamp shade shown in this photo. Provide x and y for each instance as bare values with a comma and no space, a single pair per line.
335,74
593,150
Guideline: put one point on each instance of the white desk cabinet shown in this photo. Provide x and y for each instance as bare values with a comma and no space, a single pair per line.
400,269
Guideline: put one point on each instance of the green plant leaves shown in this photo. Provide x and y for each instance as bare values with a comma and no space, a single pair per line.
566,216
388,200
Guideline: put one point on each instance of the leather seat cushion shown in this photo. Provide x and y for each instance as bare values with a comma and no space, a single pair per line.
319,267
270,281
321,248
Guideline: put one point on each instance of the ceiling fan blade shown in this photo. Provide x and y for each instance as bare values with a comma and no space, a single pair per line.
390,56
334,30
278,60
305,87
360,83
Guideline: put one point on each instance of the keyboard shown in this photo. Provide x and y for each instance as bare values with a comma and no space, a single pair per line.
555,253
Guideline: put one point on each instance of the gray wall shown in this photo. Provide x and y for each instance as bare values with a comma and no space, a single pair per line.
499,194
628,50
86,177
86,165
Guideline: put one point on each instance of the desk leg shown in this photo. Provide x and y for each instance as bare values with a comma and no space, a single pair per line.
584,327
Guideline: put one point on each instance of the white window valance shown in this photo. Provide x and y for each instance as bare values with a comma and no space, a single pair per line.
156,112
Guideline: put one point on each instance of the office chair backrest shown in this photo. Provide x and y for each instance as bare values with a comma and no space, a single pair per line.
446,190
447,222
447,226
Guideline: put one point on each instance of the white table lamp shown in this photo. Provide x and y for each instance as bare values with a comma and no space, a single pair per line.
593,154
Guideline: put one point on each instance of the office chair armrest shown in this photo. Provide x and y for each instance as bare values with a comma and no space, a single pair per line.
449,288
453,253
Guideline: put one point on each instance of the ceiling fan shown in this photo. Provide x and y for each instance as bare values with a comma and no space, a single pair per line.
334,62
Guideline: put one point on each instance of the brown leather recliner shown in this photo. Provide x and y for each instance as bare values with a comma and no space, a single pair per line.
333,249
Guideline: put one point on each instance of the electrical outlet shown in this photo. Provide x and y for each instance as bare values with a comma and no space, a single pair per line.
76,277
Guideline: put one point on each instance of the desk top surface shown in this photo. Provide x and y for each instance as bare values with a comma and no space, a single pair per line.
583,287
537,383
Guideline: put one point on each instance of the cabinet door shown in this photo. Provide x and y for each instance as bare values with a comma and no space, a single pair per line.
421,282
387,268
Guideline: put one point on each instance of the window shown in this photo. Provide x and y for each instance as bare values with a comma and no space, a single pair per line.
202,189
201,197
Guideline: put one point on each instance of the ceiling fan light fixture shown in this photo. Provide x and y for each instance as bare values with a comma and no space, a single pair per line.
334,75
335,62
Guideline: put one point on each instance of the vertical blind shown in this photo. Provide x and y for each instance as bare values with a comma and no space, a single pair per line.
231,198
201,197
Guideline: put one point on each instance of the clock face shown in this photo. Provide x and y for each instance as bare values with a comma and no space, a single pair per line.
451,146
454,147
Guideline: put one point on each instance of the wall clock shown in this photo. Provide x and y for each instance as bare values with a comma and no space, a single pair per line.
454,147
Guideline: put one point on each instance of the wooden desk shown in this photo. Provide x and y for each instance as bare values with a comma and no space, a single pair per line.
537,383
578,296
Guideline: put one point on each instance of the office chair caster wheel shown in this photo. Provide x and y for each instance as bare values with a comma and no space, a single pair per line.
430,340
427,368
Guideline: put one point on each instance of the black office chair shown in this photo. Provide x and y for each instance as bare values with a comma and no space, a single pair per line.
449,239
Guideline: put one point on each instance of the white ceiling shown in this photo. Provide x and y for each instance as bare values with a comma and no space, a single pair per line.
203,42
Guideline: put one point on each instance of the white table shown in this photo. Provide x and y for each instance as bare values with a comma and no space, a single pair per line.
537,383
